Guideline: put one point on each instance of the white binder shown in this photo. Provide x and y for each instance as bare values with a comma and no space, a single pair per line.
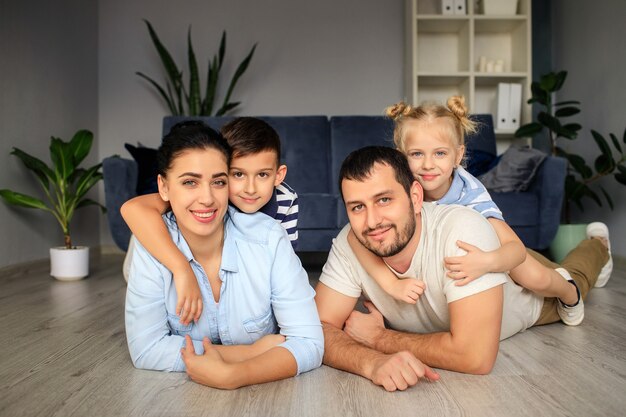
459,7
447,6
502,110
515,106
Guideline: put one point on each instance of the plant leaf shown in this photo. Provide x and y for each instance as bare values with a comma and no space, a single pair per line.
168,99
226,108
62,158
560,79
573,127
579,165
549,121
548,82
602,144
80,145
604,165
567,111
211,87
193,102
243,66
87,181
616,142
592,194
89,202
530,129
41,170
22,200
566,103
175,76
620,177
222,50
538,93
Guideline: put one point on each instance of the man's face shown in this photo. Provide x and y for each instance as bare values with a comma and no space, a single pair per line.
381,214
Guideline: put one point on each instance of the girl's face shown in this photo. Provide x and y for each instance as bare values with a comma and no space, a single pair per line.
432,156
196,186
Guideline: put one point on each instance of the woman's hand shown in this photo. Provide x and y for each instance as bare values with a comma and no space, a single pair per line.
209,368
189,304
468,267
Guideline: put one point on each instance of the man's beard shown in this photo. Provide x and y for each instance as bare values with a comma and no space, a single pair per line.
402,237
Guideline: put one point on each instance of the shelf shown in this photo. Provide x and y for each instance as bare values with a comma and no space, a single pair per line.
443,53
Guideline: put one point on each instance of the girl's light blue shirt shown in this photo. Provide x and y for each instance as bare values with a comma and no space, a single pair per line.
264,290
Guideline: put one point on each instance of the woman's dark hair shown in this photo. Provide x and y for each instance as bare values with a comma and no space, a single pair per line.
191,134
358,165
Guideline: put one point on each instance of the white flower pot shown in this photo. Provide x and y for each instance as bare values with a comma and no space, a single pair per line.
69,264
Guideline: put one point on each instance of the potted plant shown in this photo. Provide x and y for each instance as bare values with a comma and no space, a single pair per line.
581,182
183,101
65,185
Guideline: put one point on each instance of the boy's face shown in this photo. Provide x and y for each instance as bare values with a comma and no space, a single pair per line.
252,180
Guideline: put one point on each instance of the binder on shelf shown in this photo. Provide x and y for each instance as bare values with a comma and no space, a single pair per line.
515,106
446,6
459,7
502,109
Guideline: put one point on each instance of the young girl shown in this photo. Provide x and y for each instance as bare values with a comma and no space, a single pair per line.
432,138
260,322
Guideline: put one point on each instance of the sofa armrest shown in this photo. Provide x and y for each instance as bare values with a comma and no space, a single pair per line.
120,183
549,185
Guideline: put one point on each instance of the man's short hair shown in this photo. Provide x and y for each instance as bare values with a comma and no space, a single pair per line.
249,136
358,165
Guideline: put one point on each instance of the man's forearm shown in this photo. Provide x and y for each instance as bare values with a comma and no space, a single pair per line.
439,350
343,352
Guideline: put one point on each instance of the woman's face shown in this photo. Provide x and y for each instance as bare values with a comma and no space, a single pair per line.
196,186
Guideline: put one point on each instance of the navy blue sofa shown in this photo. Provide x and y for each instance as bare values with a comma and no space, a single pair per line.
314,147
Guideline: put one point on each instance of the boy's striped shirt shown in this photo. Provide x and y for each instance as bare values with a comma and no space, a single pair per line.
283,206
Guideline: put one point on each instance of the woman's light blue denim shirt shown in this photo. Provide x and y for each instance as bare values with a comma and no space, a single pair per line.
264,290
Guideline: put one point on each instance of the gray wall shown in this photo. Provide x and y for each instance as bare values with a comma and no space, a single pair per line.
588,42
71,65
323,57
48,86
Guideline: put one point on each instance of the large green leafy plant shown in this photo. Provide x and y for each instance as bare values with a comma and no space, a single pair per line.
188,101
581,179
65,184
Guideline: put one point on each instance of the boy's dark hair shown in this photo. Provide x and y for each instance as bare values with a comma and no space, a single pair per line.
191,134
358,165
249,135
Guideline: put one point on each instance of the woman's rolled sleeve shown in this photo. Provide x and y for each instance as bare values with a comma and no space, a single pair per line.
150,342
294,307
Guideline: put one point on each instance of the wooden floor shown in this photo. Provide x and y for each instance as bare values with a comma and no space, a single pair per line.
63,353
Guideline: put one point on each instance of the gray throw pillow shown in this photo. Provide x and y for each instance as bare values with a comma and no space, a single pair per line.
515,171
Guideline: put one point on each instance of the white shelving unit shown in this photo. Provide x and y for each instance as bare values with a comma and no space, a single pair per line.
443,54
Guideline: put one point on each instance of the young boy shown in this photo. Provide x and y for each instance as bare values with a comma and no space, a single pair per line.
255,184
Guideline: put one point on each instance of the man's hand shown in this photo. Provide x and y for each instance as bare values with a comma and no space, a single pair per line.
407,290
468,267
365,328
400,371
209,368
189,304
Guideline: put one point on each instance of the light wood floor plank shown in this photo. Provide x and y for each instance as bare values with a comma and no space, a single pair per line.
63,353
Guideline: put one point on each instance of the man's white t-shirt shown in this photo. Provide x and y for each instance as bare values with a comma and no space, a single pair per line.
442,227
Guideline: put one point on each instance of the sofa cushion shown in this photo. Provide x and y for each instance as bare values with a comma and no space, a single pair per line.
518,209
515,171
317,211
146,159
305,142
353,132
